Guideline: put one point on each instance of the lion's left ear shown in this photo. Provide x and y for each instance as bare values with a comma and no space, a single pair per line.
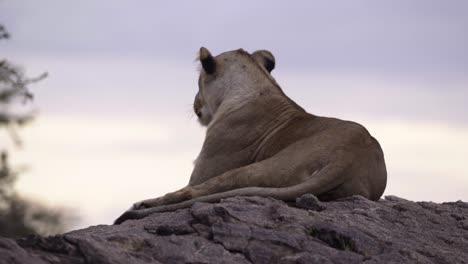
265,58
207,60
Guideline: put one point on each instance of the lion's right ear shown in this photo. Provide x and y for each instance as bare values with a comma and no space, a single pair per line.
265,58
207,61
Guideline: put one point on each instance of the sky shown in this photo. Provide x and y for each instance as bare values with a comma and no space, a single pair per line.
115,121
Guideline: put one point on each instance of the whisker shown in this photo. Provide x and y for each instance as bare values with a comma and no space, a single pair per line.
189,111
191,116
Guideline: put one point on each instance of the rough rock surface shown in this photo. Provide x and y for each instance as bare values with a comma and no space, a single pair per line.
263,230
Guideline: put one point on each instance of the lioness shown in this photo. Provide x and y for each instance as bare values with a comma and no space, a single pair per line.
261,143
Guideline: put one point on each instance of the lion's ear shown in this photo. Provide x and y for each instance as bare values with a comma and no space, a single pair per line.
207,61
265,58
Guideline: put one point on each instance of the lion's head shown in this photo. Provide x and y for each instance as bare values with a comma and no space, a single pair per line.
232,75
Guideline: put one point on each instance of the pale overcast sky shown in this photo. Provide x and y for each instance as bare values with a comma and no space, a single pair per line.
116,119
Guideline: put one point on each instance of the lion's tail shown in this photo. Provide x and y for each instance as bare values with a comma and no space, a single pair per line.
324,180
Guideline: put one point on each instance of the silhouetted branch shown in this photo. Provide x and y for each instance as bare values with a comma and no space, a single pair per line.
4,33
20,216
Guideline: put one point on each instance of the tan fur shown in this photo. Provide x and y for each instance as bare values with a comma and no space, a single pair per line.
260,143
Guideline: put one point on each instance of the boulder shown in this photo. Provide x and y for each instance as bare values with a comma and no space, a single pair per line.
265,230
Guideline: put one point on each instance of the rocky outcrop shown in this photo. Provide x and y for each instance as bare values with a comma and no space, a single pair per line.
263,230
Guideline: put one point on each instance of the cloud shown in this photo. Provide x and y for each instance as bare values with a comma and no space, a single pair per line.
350,95
141,88
385,37
86,162
425,161
95,164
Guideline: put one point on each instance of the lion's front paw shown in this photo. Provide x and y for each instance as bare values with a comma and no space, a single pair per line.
146,204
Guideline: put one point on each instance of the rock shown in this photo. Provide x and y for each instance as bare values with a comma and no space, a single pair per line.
310,202
265,230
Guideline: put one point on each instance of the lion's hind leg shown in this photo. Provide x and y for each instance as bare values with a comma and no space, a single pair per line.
241,182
